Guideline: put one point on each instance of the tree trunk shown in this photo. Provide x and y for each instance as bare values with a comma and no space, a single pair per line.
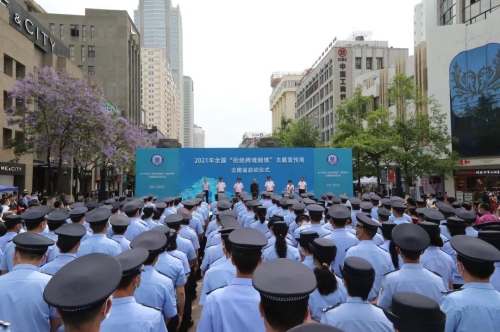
50,186
102,185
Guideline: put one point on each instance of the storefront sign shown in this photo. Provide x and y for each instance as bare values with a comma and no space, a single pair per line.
12,169
26,24
477,172
459,196
391,176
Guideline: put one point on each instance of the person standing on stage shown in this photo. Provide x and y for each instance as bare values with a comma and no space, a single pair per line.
205,186
290,188
221,186
302,186
269,185
238,187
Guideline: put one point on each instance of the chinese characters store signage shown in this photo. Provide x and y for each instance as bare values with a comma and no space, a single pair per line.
342,68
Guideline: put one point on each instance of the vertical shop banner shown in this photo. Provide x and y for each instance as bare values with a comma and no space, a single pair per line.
333,171
157,172
248,164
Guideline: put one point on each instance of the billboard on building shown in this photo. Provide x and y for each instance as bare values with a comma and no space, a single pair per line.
169,172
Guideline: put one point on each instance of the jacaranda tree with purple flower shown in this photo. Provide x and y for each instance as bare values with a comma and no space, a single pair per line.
55,112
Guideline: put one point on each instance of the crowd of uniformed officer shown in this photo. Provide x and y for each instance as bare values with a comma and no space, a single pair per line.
281,263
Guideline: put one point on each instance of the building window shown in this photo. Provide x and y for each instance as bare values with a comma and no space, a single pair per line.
368,63
52,28
8,65
61,31
7,138
380,63
84,33
80,67
91,53
91,70
92,33
72,52
7,102
74,32
358,63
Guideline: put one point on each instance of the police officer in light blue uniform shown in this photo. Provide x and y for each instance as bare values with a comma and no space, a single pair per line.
475,306
455,227
77,215
398,210
223,273
68,242
250,217
434,258
119,226
375,200
340,236
126,314
160,208
411,240
115,211
280,249
366,229
22,302
236,306
355,209
470,218
81,307
290,217
137,226
281,203
271,239
260,223
279,293
55,219
273,206
170,206
306,238
315,215
357,314
366,207
34,219
98,242
387,203
195,222
492,236
447,211
388,245
147,217
415,312
244,213
157,289
185,231
330,288
174,221
267,202
13,223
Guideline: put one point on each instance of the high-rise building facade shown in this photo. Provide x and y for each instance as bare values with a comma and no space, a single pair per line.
105,44
188,116
158,93
332,79
199,137
282,100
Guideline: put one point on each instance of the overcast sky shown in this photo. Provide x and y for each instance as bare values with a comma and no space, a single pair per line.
231,48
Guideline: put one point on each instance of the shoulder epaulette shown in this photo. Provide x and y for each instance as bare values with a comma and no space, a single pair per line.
174,256
10,241
143,223
440,276
163,274
214,261
331,307
326,234
450,291
149,306
383,249
189,227
387,273
213,290
114,240
350,247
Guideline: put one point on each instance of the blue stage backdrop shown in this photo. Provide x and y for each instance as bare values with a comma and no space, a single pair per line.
168,172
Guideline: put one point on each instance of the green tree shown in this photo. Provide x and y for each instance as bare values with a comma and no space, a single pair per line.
420,139
298,133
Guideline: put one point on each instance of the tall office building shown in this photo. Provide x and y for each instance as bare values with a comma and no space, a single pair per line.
332,79
105,44
188,120
282,100
158,93
199,137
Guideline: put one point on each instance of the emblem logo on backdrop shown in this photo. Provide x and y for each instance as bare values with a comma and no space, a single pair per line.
332,159
157,160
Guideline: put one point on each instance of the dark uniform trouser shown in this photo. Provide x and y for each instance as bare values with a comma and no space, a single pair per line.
302,191
188,290
201,254
172,324
206,195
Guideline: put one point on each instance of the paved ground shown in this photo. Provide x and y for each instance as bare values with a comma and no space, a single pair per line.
196,308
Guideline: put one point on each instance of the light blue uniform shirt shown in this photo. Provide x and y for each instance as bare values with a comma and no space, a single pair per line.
374,212
475,307
289,218
54,266
232,308
183,258
412,278
343,240
261,227
157,290
495,277
401,220
379,258
186,247
217,277
270,210
405,217
322,232
212,226
214,240
212,254
196,223
439,262
272,240
7,263
99,243
171,267
309,262
6,239
447,248
169,211
212,234
276,212
318,302
444,230
127,315
291,253
267,203
386,245
122,240
471,232
151,223
357,315
188,233
22,302
250,217
136,227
